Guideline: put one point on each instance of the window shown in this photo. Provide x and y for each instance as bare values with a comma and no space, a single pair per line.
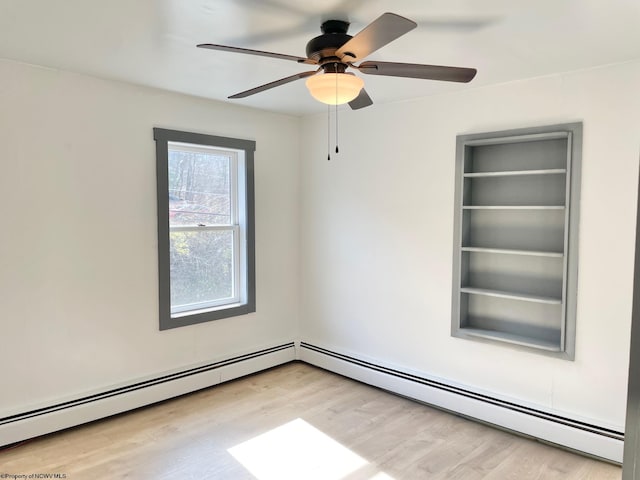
205,227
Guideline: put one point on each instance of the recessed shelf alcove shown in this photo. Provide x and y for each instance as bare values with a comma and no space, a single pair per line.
515,239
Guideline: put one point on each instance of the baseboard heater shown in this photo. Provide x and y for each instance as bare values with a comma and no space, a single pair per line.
569,433
69,413
577,435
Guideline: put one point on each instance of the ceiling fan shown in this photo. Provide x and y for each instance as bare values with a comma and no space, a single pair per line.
335,51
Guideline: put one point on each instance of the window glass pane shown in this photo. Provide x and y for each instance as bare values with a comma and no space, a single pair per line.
201,264
199,187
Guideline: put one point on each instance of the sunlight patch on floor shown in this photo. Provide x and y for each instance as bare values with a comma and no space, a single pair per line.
298,450
381,476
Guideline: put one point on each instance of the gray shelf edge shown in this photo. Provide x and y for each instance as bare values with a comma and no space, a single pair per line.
514,173
509,251
525,297
511,338
527,137
513,207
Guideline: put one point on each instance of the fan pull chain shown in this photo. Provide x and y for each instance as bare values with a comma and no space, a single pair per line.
337,151
328,132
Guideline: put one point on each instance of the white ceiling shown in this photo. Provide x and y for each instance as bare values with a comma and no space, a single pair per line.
152,42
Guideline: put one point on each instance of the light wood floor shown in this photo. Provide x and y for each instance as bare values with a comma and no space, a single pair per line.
298,422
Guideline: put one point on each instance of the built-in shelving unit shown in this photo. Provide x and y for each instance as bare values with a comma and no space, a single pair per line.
515,245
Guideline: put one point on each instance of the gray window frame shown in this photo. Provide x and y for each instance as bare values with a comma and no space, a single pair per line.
162,138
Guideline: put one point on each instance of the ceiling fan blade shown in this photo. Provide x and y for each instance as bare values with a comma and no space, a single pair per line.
362,100
454,23
260,53
385,29
277,83
287,9
266,36
412,70
342,9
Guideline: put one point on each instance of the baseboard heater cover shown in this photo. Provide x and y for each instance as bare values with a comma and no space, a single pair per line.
41,421
577,435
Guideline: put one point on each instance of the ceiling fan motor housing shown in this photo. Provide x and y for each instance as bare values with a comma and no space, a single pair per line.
323,48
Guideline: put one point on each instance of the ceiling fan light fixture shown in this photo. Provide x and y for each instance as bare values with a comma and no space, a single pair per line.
334,88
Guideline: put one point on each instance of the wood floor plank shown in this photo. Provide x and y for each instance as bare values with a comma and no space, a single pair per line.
386,437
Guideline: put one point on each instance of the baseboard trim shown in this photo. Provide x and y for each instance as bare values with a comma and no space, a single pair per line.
574,434
570,433
66,414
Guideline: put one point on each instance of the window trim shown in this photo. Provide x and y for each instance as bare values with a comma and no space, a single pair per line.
247,303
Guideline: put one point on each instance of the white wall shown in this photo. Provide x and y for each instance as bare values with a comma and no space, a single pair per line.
371,243
78,254
377,236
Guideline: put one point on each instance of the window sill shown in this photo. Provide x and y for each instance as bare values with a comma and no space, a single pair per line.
199,311
193,317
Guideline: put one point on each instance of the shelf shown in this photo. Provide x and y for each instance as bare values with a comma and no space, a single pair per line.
513,207
512,296
511,338
512,173
508,251
515,238
507,139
